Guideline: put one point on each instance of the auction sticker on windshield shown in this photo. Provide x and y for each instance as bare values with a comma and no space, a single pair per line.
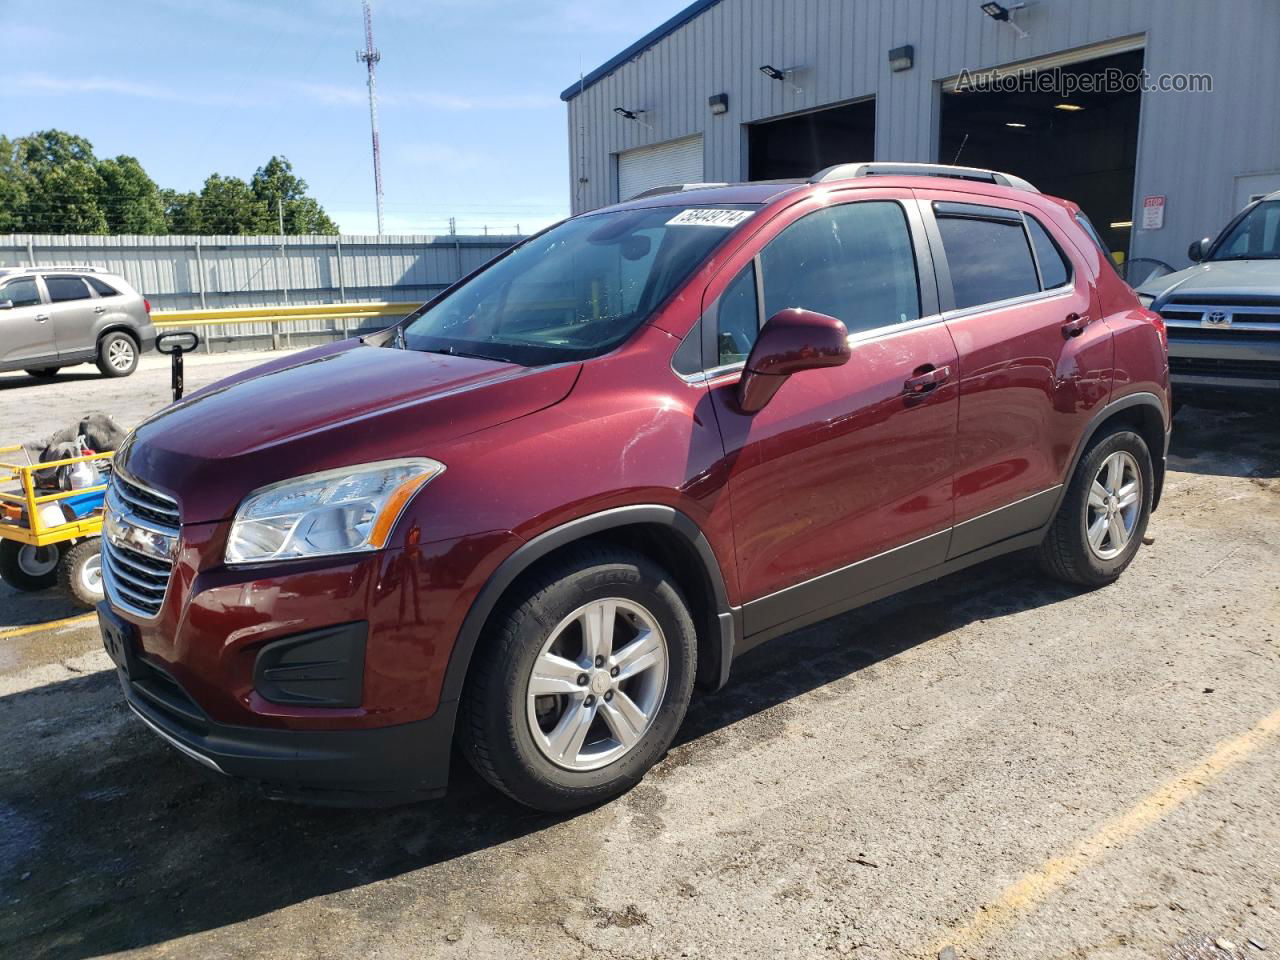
709,218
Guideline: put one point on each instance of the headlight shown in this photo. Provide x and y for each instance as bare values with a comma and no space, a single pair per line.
1145,300
323,514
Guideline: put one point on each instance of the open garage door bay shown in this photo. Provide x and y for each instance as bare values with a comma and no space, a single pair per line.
1079,145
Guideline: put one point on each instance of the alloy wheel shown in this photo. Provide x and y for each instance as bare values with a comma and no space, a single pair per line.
597,684
1114,505
120,353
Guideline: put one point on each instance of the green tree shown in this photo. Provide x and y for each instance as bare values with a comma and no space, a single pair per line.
130,199
228,205
65,200
181,211
281,191
50,182
13,188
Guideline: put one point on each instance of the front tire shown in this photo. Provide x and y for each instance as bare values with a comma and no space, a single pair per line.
29,568
1104,515
584,678
117,354
43,373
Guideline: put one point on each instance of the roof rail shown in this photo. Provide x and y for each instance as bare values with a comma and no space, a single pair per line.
850,171
674,188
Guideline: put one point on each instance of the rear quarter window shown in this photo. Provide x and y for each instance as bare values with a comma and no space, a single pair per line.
102,288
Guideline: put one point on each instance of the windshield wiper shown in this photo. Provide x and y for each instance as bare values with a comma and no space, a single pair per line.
454,352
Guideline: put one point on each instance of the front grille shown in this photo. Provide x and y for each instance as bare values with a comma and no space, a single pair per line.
1251,319
1212,367
136,581
146,503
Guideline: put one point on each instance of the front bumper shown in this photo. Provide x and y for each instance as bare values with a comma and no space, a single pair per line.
377,767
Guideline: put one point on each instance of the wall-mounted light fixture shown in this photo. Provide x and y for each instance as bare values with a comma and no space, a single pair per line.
902,58
626,114
1002,14
782,75
719,103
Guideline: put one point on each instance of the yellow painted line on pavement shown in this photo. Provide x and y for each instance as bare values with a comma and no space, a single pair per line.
1033,888
51,625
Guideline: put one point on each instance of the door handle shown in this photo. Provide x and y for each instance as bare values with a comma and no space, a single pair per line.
99,309
1076,322
926,379
41,317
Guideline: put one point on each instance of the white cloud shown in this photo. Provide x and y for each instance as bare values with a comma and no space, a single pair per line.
46,83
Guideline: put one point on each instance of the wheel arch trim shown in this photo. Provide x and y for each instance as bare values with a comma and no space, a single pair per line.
1131,401
530,552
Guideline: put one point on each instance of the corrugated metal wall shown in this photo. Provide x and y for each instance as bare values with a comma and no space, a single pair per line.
183,273
1192,146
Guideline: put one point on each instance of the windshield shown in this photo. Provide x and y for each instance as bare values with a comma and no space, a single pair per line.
577,290
1256,237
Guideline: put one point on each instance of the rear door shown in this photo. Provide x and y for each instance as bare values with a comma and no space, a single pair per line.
843,481
26,334
73,310
1034,360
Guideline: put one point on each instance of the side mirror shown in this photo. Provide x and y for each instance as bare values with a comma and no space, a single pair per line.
6,304
790,341
1199,249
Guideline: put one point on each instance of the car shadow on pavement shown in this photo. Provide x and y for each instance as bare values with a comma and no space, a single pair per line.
109,840
1227,442
20,380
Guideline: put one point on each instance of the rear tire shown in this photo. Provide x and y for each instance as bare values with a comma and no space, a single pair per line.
610,708
29,568
43,373
80,572
117,354
1104,515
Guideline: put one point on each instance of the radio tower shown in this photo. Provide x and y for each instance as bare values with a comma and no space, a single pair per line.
370,57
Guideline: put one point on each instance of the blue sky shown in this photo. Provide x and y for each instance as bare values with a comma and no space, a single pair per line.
471,119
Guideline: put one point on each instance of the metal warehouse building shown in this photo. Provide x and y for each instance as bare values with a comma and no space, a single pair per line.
732,90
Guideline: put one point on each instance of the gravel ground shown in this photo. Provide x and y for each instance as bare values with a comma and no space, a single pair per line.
991,766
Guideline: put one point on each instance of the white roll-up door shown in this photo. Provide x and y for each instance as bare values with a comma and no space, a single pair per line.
679,161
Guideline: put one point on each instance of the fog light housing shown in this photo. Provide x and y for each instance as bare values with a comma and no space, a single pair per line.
320,668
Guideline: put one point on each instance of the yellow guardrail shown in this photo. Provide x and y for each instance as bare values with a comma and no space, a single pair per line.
277,314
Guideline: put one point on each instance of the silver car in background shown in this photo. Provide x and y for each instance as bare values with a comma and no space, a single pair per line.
53,317
1223,313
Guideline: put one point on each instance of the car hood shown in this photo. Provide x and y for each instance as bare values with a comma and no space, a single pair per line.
334,406
1239,277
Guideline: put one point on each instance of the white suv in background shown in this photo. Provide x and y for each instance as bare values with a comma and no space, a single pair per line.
53,317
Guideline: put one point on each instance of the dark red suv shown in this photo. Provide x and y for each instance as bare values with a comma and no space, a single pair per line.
530,517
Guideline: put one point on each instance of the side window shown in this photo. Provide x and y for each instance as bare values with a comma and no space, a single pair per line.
62,289
738,319
22,292
989,259
103,289
853,261
1055,269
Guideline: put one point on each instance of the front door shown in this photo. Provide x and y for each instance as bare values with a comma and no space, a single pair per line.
842,482
26,335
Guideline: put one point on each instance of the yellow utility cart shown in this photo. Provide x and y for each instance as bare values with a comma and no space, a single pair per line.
52,536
